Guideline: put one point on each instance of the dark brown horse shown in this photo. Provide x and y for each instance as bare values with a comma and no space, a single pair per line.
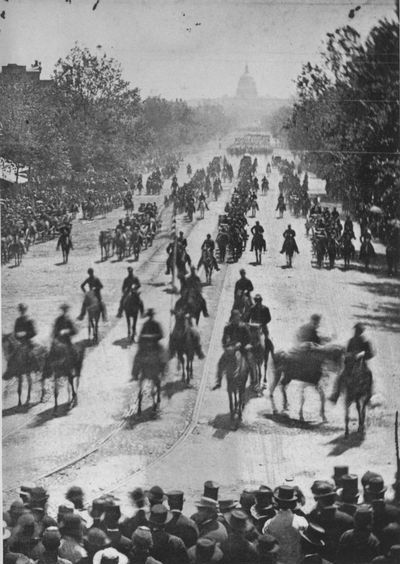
132,305
304,363
234,366
185,343
150,363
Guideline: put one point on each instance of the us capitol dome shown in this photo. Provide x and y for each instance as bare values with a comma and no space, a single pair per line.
246,89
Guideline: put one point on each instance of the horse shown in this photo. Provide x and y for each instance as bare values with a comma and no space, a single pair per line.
135,244
182,259
132,305
259,246
331,250
207,260
222,241
149,363
392,257
305,364
290,247
184,342
281,208
22,360
105,242
254,207
236,369
93,308
367,252
190,209
120,243
63,360
191,303
347,252
261,348
202,208
320,250
65,243
243,303
356,381
16,250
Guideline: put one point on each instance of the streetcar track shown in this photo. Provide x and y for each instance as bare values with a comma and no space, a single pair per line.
191,425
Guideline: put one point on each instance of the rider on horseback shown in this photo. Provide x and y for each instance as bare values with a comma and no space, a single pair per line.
131,281
181,244
208,244
237,334
64,329
202,198
24,328
308,333
151,327
358,349
243,284
281,202
289,234
193,283
257,231
94,284
259,313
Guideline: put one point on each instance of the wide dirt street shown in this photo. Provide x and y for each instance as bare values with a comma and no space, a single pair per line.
102,446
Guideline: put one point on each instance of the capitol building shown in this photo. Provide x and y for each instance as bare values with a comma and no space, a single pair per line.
246,105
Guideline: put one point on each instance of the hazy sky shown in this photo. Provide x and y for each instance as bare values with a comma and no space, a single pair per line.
150,38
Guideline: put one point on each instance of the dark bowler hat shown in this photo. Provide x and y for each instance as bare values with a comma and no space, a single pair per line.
267,544
247,498
205,551
285,494
38,495
314,534
227,505
363,516
97,508
156,495
349,487
72,524
238,520
51,538
367,477
97,539
159,515
376,486
211,489
322,489
175,497
137,495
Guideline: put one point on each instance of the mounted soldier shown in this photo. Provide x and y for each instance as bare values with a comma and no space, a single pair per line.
208,245
289,234
260,314
131,281
257,231
94,284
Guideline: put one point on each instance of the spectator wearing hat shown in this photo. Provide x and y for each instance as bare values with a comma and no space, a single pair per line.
51,540
237,549
66,508
17,508
359,545
97,511
390,535
71,546
324,495
263,508
226,507
348,494
180,525
76,496
210,490
25,536
142,544
247,500
392,557
167,548
335,523
109,556
374,492
140,517
95,540
267,549
205,551
207,520
286,525
118,540
312,541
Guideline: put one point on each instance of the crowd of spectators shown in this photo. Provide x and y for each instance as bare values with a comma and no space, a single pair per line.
351,522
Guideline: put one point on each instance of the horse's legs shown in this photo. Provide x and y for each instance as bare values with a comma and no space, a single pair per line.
134,322
302,400
29,378
19,390
285,400
322,397
346,416
231,407
181,358
128,322
140,398
55,392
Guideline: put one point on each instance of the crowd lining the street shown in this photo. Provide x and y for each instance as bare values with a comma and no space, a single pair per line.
352,522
